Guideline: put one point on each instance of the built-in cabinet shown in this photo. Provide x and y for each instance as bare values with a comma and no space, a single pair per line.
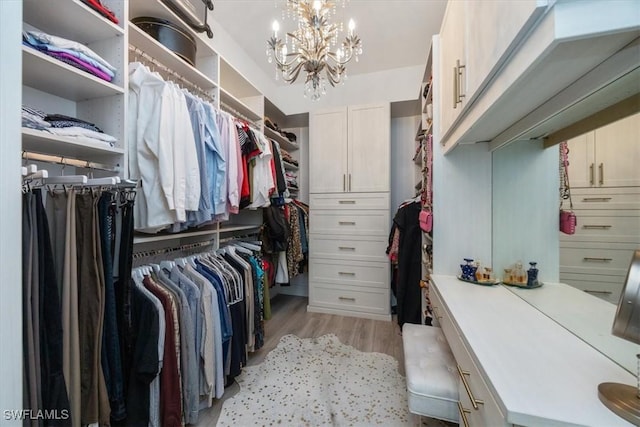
349,186
349,148
478,36
605,181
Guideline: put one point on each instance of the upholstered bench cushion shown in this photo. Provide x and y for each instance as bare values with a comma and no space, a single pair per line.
432,381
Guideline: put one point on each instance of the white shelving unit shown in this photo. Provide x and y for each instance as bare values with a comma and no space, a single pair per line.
284,142
56,87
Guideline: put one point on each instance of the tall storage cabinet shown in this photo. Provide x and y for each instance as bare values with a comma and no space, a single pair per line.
349,186
605,188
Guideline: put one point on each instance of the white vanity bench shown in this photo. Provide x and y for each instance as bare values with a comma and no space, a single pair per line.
516,365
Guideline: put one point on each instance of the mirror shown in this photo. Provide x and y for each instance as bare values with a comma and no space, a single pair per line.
605,181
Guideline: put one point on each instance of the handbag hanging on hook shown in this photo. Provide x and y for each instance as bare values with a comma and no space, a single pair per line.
568,220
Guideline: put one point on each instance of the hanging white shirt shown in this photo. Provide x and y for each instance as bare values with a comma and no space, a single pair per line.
262,176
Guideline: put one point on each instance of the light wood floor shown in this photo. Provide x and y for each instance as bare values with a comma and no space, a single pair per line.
290,316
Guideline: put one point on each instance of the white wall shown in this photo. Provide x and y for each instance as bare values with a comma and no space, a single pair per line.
525,208
10,220
403,170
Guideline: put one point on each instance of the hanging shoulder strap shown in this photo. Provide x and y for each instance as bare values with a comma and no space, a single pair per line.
565,188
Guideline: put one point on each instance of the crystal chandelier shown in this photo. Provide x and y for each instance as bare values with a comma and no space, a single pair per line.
309,47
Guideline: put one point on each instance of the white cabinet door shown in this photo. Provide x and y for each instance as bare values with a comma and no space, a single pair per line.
618,153
328,151
493,28
369,148
581,161
452,35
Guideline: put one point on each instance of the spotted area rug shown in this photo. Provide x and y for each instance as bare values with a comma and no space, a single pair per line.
319,382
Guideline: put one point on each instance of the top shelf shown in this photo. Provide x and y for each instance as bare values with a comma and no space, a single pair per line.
238,106
156,9
70,19
153,48
284,142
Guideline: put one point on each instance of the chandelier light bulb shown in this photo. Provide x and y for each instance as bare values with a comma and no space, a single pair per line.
352,26
275,27
317,5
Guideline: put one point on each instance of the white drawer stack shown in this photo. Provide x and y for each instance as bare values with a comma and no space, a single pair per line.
348,266
596,258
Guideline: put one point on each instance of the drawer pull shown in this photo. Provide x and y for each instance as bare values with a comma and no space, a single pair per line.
346,273
598,292
346,248
463,414
594,259
596,227
347,222
474,401
601,167
596,199
347,299
591,174
347,202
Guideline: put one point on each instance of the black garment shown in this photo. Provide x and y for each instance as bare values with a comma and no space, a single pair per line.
110,358
53,387
239,339
281,184
408,291
144,361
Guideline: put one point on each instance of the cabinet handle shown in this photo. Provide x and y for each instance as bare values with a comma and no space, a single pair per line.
346,273
591,177
344,182
346,248
458,77
474,401
455,87
596,199
463,414
601,167
347,202
598,292
347,299
596,227
347,222
587,258
349,182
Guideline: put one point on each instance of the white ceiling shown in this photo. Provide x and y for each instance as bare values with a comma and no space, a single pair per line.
394,33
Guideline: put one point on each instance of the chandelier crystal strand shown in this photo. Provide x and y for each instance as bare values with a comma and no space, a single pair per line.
313,47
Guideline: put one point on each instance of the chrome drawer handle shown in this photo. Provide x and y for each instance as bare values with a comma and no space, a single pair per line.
346,273
463,414
596,199
594,259
347,222
474,401
598,292
347,299
347,202
346,248
596,227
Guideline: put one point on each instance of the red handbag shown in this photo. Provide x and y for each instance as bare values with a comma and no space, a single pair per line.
568,219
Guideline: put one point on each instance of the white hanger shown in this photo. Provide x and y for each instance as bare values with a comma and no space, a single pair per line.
180,262
250,246
155,267
41,174
242,249
29,170
167,265
65,179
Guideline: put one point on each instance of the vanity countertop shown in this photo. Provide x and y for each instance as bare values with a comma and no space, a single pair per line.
538,371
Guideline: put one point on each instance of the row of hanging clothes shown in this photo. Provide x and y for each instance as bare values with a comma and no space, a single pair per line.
77,236
285,234
190,324
194,162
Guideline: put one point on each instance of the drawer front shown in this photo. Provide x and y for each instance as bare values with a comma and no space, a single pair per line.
487,413
350,201
606,287
349,298
606,198
352,273
600,226
597,258
361,223
353,248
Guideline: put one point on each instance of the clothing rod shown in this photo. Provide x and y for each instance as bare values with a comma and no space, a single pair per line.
238,114
185,247
137,51
66,161
239,238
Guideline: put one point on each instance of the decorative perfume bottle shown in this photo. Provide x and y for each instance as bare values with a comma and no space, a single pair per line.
532,274
518,274
468,270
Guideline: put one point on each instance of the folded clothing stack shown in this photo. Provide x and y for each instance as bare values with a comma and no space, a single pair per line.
59,124
101,9
70,52
274,126
291,178
33,118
